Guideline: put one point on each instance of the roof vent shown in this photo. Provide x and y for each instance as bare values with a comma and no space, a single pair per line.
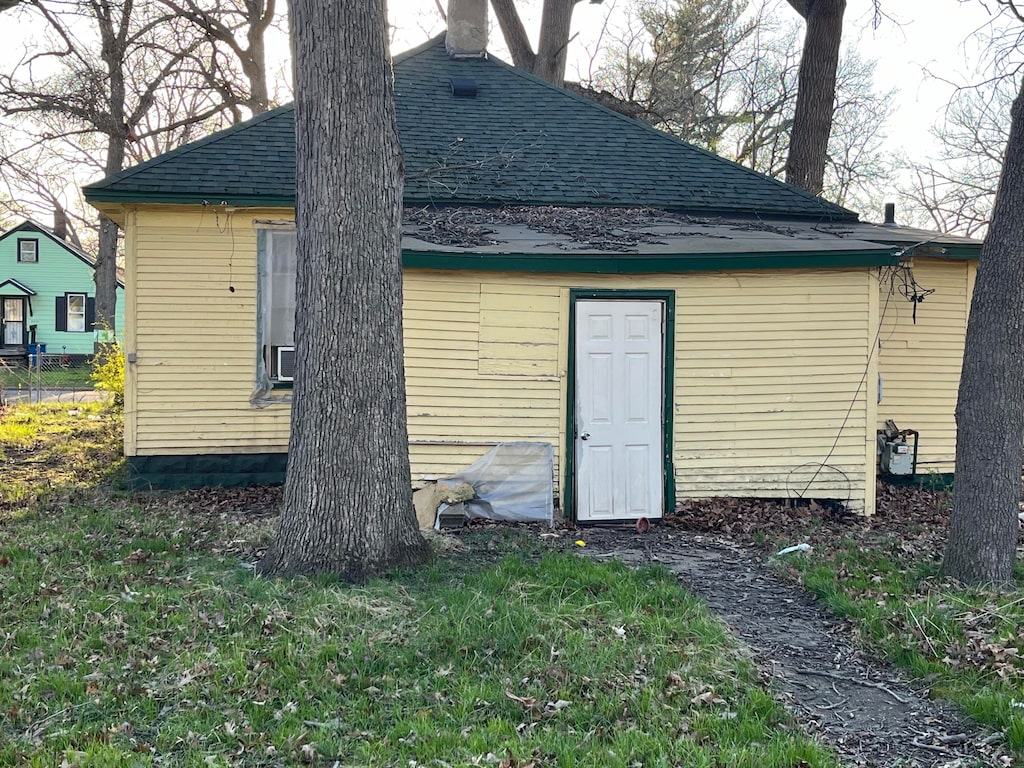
463,87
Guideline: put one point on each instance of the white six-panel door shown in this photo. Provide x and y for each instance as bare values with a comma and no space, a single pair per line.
619,377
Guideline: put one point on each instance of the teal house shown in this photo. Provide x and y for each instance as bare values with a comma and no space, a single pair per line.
47,295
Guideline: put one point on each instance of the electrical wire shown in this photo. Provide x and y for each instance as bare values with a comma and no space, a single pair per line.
860,385
910,289
900,277
820,466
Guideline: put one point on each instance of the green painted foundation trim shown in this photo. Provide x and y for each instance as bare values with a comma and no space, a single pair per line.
933,481
226,470
625,264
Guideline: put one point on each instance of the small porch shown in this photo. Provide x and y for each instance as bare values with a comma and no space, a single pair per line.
15,309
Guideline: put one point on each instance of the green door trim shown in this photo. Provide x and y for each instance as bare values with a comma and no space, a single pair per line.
668,298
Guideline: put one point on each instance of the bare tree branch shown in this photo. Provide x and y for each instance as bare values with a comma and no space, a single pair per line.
514,32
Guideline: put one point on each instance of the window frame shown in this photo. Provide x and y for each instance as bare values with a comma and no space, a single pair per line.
68,315
269,388
22,241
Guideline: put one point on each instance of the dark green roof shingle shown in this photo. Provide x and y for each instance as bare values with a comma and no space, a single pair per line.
520,140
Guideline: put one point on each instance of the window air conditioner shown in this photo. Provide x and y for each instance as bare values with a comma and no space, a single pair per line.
285,363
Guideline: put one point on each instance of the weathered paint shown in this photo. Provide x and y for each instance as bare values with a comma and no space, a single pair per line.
772,368
920,362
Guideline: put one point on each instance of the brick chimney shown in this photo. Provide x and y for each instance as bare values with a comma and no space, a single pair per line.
60,223
467,29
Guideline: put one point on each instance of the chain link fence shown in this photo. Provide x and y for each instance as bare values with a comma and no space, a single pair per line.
45,377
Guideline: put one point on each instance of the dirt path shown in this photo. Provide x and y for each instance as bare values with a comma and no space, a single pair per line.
866,711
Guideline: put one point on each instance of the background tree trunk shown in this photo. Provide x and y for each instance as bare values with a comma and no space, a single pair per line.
254,64
348,499
514,32
223,23
105,275
816,92
113,35
990,406
555,26
548,63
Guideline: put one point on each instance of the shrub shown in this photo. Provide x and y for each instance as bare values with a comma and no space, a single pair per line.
108,371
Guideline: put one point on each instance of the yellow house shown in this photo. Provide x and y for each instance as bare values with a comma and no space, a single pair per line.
673,324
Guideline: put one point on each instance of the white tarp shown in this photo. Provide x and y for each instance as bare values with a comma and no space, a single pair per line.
513,482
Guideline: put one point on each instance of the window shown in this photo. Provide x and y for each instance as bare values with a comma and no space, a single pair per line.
76,312
276,332
28,251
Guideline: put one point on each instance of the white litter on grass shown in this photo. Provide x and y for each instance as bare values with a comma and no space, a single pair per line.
805,547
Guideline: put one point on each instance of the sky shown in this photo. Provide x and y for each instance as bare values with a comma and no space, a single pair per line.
921,47
923,50
918,45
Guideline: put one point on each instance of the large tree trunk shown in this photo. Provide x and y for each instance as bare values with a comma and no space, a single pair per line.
816,92
555,25
548,63
514,32
348,499
105,275
990,407
112,50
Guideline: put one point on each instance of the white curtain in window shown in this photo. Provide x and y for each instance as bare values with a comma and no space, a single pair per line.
76,312
279,289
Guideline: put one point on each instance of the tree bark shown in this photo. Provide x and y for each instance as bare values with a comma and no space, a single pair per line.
816,93
514,32
348,499
548,63
254,64
990,406
105,276
555,25
113,36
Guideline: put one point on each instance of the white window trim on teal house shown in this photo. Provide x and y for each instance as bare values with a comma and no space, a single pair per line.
78,317
30,255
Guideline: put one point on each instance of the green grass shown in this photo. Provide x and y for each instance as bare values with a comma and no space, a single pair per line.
966,644
71,377
134,632
51,450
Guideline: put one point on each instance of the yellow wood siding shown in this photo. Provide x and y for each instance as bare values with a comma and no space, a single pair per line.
131,384
768,365
458,405
519,329
195,338
920,363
